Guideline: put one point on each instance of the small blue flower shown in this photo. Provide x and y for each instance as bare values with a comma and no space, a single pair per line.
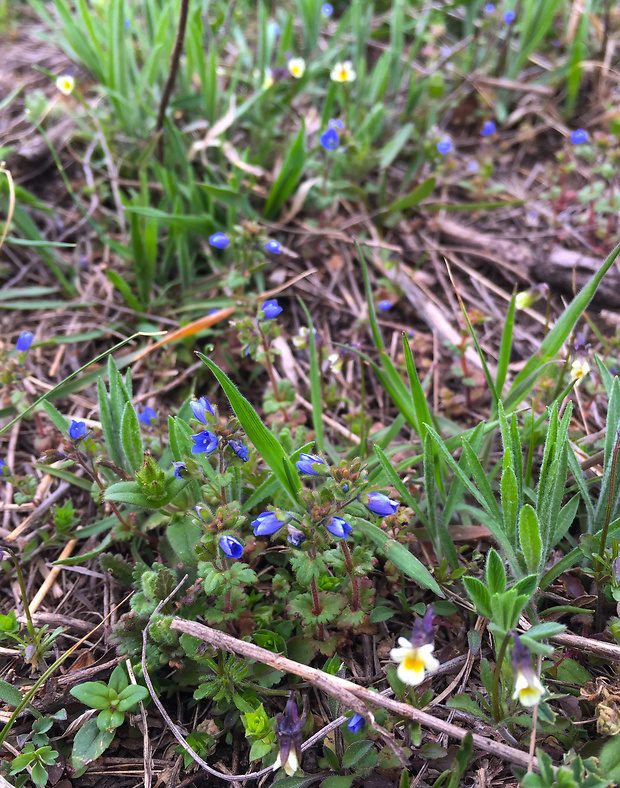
213,311
327,9
232,547
269,310
579,136
295,536
200,408
489,8
339,527
380,503
488,129
345,486
148,416
356,723
306,464
127,23
266,523
179,468
509,17
273,246
276,29
24,340
4,469
384,305
336,124
200,509
473,166
77,429
219,240
240,450
445,146
329,139
206,442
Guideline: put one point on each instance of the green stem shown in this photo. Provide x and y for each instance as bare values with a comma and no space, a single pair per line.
355,589
608,510
20,579
497,675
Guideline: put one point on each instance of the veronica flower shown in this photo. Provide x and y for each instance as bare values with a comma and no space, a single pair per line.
336,124
329,139
200,408
269,310
384,305
415,656
4,469
179,468
528,689
473,166
219,240
273,247
488,129
509,17
380,504
240,449
266,523
77,429
231,547
200,509
65,84
444,147
24,340
356,723
343,72
148,416
288,732
489,8
307,463
327,9
579,136
296,67
206,442
339,527
295,536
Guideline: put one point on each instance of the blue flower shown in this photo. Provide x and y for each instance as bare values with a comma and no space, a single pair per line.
327,9
148,416
77,429
219,240
306,463
276,29
509,17
206,442
384,305
295,536
179,468
488,129
240,450
232,547
336,124
4,469
213,311
380,503
445,146
329,139
339,527
579,136
200,409
273,246
356,723
200,509
473,166
269,310
24,340
266,523
489,8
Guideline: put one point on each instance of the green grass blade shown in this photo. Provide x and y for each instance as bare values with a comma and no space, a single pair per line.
505,347
289,175
316,394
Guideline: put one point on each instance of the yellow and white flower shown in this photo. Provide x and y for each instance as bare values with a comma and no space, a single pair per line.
579,369
291,764
528,689
268,79
297,67
414,661
65,84
335,362
343,72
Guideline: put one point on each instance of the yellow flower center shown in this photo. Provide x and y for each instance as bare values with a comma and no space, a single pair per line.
413,663
343,73
528,692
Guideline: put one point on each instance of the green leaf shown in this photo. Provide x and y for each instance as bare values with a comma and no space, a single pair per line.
92,693
263,439
131,696
9,694
355,752
344,781
510,502
58,420
479,595
529,537
131,493
609,759
131,438
466,703
89,743
292,169
414,197
495,573
184,536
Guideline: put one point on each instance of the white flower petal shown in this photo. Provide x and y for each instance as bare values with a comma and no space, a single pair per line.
404,643
399,654
409,676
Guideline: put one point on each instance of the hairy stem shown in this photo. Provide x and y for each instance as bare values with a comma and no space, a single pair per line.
497,675
355,588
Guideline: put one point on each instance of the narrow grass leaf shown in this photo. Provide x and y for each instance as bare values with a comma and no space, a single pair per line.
289,175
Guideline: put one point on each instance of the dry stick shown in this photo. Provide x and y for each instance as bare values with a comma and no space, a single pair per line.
172,74
51,578
343,690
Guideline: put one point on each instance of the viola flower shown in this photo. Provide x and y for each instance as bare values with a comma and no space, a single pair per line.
528,689
273,246
77,430
301,340
335,362
296,67
206,442
269,310
343,72
231,547
380,504
268,79
65,84
329,139
266,523
24,340
148,416
240,449
579,369
200,408
327,9
579,136
488,129
336,124
509,17
339,527
307,464
384,305
356,723
179,468
415,656
444,147
219,240
288,732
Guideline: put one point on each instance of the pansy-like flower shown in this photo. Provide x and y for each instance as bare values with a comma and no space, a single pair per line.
579,369
288,733
336,124
240,449
509,17
148,416
273,246
527,298
384,305
579,136
179,468
65,84
266,523
528,689
356,723
380,504
24,340
231,547
488,129
307,463
339,527
200,408
77,430
301,340
327,9
206,442
219,240
335,362
329,139
343,72
297,67
444,147
415,656
268,79
269,310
